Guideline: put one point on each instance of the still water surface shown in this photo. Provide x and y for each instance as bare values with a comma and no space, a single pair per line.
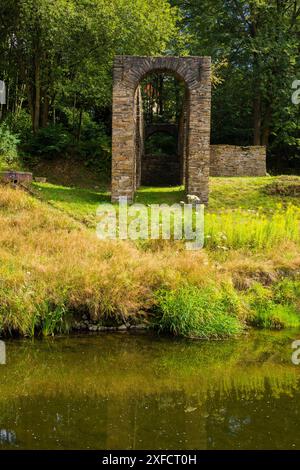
121,391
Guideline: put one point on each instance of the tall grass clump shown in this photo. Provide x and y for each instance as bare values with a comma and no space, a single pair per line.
252,229
28,311
199,312
274,307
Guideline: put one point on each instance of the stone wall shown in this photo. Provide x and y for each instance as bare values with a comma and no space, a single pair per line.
161,170
16,177
232,160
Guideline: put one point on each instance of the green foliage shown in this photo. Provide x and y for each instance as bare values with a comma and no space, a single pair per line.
163,97
20,124
254,229
95,147
53,319
287,291
199,312
50,140
274,308
255,51
161,143
73,44
8,145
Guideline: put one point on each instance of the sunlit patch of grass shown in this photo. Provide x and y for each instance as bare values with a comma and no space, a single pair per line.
252,229
247,193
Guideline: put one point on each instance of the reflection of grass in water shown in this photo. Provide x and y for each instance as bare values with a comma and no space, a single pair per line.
114,365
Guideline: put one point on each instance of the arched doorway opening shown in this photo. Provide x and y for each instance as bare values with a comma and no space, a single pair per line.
140,105
164,100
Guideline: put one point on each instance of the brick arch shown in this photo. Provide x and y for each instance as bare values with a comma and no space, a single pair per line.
127,125
154,128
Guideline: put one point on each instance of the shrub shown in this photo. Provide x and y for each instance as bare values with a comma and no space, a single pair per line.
95,147
8,145
273,308
50,140
202,313
20,124
161,143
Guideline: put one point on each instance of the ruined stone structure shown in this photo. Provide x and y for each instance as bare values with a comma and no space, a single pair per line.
195,160
15,177
128,129
232,160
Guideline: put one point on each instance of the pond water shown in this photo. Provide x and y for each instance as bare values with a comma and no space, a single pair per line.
125,391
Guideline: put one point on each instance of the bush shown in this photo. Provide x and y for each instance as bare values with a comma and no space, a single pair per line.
274,308
95,147
50,140
20,124
8,145
161,143
202,313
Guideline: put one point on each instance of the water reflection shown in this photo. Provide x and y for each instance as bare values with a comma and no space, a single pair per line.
121,391
7,437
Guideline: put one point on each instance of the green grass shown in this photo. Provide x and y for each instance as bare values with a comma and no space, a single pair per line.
154,195
225,194
274,307
53,268
199,313
254,230
246,193
79,203
210,312
262,220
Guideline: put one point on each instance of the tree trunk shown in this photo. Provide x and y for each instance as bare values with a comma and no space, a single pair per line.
45,111
160,97
266,126
79,125
37,97
257,118
30,103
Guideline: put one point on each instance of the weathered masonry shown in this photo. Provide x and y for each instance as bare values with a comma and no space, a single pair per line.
128,132
232,160
15,177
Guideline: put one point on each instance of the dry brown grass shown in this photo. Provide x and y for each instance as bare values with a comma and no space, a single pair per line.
50,263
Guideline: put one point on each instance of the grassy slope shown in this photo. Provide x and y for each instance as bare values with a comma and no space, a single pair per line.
228,193
52,267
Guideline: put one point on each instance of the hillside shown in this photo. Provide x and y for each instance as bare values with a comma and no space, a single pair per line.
54,270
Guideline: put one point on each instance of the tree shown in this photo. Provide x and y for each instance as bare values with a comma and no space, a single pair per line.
255,49
60,52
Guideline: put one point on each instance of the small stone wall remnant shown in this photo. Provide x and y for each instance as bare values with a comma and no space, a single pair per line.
161,170
15,177
232,160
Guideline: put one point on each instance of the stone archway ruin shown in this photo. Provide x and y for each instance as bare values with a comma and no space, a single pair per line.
128,127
